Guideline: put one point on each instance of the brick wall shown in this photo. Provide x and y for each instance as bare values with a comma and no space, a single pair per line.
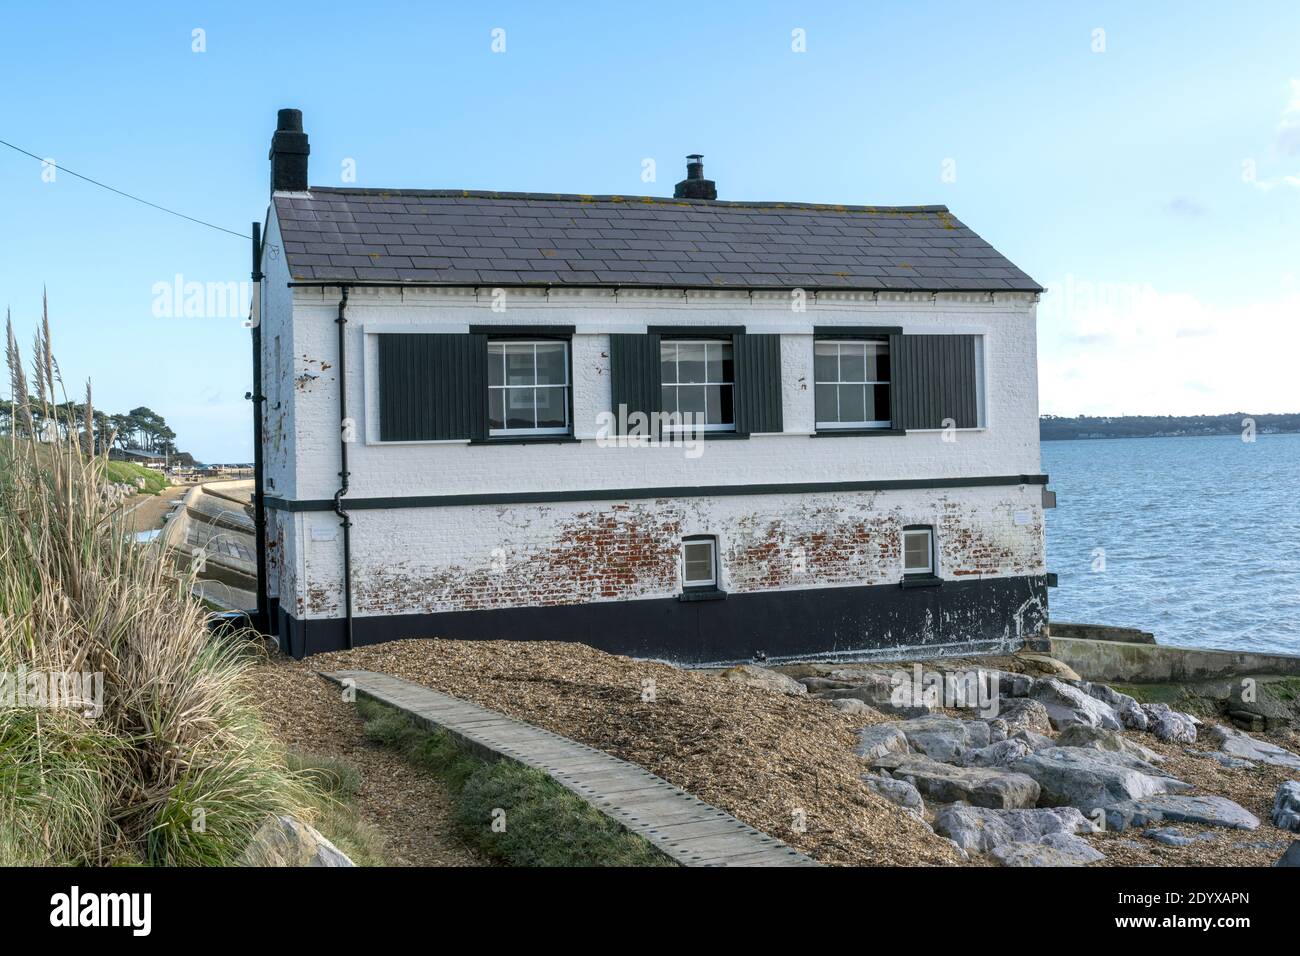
472,558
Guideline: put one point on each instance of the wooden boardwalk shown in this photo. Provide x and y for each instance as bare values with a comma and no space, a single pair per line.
685,828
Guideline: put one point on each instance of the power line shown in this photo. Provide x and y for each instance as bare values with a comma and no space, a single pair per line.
111,189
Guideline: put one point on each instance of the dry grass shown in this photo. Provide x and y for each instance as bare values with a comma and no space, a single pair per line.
756,754
177,769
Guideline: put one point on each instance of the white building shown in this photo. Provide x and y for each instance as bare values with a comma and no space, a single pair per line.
449,378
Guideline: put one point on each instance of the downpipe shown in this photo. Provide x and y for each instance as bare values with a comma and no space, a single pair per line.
344,438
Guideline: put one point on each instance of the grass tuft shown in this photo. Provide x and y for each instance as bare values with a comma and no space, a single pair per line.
177,769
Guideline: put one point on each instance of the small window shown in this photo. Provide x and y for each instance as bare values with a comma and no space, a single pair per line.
528,388
918,551
698,378
699,563
851,380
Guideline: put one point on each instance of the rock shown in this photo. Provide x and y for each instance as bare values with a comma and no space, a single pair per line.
1292,855
854,675
942,738
998,730
1023,713
1009,683
1224,760
1000,754
1286,807
877,690
1035,741
1174,836
977,786
763,678
1237,744
1129,711
1047,664
897,791
1098,739
284,841
1055,849
1087,779
1169,725
979,829
880,739
1175,808
852,706
1067,705
1260,709
1247,721
814,684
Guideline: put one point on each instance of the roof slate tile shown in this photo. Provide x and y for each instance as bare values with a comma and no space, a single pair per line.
457,237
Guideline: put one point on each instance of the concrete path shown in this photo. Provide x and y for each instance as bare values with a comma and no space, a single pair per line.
686,829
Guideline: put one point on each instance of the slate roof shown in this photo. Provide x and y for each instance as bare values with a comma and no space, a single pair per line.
458,238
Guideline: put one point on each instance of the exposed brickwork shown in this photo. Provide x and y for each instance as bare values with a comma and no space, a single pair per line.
475,558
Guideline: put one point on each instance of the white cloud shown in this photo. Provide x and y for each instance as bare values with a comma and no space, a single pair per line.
1130,349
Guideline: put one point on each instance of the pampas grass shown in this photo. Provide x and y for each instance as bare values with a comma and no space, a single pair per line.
177,769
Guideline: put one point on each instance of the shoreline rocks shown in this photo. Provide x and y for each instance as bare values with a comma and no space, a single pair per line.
1206,810
1088,779
1055,849
1067,706
942,783
1286,807
980,829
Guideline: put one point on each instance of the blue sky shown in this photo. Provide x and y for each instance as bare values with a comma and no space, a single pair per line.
1150,175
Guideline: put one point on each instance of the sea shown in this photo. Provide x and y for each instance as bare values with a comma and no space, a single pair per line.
1196,540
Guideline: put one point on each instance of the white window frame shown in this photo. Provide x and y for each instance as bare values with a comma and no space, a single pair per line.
928,570
676,383
838,343
506,432
712,544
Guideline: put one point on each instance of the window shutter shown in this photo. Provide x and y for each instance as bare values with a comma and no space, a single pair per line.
432,386
934,379
634,375
758,383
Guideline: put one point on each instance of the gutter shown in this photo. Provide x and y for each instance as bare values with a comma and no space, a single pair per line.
616,287
261,621
344,519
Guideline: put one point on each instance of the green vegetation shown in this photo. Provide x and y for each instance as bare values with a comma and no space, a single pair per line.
335,785
160,758
1061,428
124,472
544,824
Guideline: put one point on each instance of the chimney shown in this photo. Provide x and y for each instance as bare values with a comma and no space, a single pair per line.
695,186
289,151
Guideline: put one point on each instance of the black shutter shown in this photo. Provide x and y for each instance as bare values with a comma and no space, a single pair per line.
432,386
634,375
934,379
758,383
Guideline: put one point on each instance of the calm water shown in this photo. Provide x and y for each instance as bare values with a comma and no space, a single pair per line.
1201,538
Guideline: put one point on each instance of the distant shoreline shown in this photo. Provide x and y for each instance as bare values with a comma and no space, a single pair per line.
1086,427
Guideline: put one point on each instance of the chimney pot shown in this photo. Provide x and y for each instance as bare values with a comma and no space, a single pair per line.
695,186
289,152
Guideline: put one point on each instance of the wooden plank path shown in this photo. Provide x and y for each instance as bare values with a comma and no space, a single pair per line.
683,827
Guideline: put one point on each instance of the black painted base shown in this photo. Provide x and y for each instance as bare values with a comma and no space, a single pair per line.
889,621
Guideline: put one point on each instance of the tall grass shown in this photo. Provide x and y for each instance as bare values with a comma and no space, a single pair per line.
177,769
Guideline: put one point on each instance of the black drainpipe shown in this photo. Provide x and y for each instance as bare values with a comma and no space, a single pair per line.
262,623
345,520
